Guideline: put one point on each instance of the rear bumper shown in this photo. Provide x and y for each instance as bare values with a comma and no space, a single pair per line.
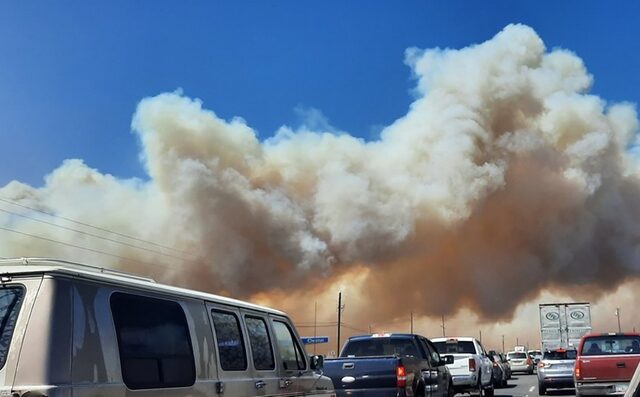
602,389
557,382
467,380
387,392
521,368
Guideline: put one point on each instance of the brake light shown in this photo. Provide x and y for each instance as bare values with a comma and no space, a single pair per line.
401,376
472,365
578,370
540,364
495,364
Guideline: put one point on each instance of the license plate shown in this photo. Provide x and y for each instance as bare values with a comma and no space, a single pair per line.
621,388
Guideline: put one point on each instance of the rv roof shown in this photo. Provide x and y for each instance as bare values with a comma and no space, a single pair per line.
55,266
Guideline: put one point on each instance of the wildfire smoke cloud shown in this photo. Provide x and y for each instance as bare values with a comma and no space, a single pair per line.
505,177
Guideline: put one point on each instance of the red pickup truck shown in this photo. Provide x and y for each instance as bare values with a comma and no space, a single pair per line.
606,363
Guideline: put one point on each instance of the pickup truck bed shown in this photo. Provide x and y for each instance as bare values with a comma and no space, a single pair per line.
360,376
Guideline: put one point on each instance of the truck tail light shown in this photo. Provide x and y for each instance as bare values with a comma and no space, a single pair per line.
472,365
578,370
401,376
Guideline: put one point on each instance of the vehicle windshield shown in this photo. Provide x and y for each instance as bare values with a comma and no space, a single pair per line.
610,345
454,346
535,353
10,300
386,346
517,355
560,355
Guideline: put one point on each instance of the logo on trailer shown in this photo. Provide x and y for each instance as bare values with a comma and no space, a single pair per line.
553,316
577,315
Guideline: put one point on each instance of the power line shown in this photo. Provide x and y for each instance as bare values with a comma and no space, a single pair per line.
90,234
354,328
83,248
92,226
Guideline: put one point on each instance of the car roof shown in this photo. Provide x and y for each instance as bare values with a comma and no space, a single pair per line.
454,338
33,266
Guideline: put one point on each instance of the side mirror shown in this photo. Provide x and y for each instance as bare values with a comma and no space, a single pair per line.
316,362
448,359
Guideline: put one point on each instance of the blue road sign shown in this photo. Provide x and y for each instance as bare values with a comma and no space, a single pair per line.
310,340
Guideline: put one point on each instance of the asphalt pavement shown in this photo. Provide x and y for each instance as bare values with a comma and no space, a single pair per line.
521,385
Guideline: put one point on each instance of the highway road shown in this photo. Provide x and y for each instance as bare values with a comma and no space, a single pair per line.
521,385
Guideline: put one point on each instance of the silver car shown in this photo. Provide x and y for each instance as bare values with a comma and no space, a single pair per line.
555,370
520,362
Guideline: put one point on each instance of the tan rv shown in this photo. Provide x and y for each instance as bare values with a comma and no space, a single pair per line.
75,330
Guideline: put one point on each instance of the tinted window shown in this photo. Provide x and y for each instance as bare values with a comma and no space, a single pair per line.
517,355
260,343
381,347
233,356
560,355
10,301
154,342
611,344
290,350
452,347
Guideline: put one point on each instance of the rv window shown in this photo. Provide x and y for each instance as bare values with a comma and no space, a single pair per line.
233,356
290,350
10,301
154,342
260,343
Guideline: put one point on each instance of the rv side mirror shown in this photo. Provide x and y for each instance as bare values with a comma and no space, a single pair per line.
448,359
316,362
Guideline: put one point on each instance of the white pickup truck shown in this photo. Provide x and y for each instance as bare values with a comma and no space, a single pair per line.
471,370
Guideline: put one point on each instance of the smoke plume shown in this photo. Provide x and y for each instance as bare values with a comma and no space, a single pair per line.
505,178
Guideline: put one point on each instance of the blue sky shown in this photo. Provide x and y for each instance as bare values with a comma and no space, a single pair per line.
71,73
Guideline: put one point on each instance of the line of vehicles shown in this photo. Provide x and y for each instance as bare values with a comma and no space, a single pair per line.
68,329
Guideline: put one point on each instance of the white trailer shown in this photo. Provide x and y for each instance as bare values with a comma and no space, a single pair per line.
563,324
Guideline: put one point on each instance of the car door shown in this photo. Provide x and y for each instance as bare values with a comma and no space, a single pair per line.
295,376
262,354
440,372
234,374
487,365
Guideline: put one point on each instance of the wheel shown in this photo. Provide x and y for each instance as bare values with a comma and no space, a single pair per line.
504,383
451,391
489,392
542,390
480,390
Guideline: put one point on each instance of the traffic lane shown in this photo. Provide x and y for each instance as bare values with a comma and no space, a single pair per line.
523,385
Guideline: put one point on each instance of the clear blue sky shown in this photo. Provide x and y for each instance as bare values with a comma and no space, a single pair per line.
72,72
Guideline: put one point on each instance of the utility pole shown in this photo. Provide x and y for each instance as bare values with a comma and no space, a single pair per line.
411,322
517,341
480,336
315,325
340,308
618,315
503,344
444,333
370,329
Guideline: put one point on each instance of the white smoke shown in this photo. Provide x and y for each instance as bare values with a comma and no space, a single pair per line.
506,177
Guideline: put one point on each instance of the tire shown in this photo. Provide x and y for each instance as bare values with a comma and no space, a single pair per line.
489,392
451,391
479,389
542,390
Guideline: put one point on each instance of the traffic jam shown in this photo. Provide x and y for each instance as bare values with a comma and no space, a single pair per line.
71,329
